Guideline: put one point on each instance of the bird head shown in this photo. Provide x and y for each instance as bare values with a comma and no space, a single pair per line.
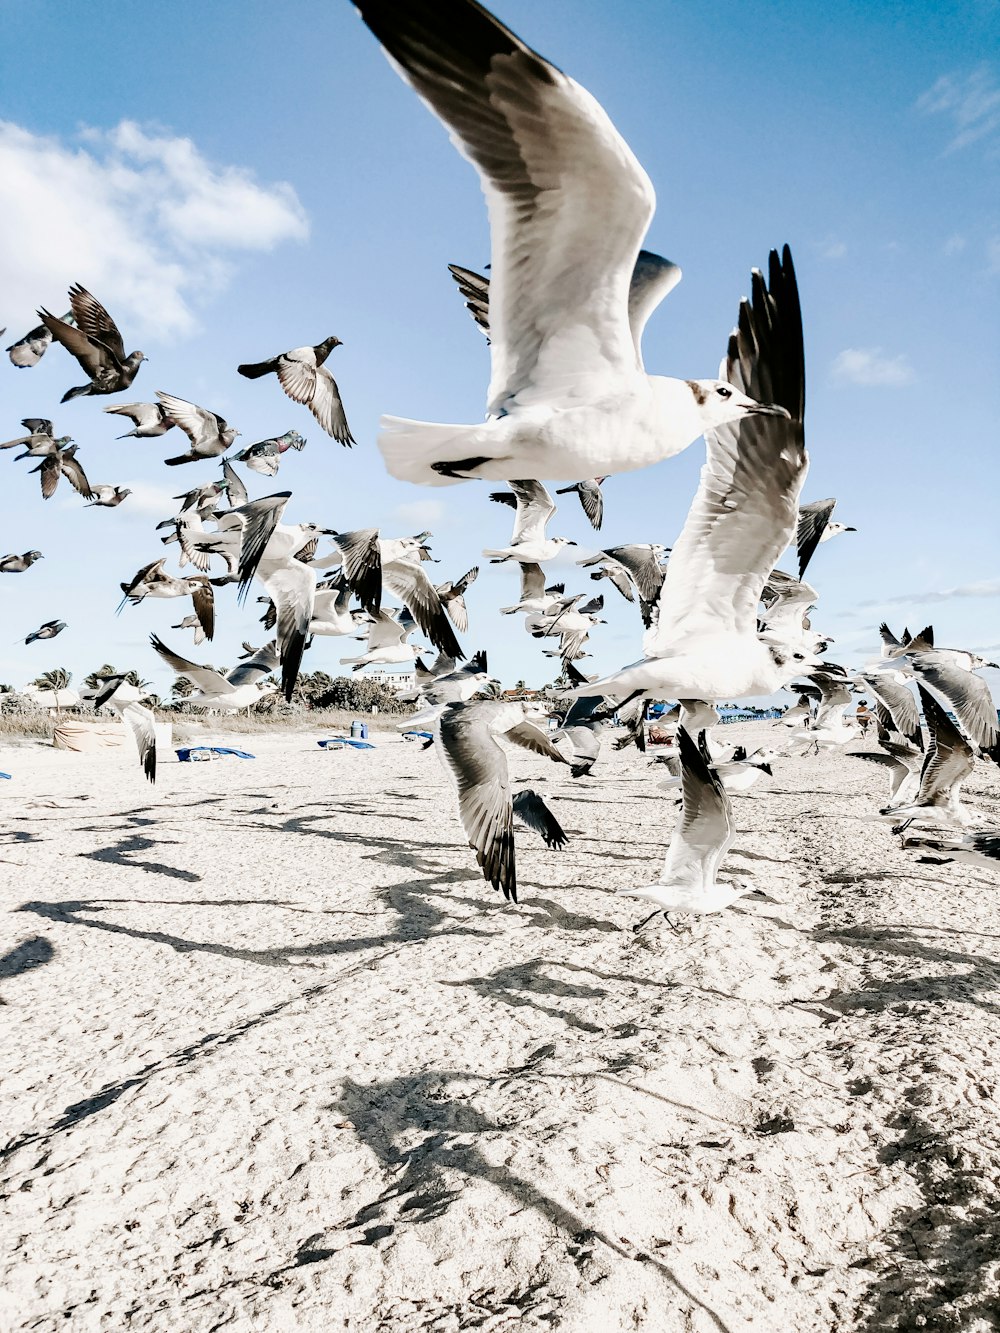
717,403
32,556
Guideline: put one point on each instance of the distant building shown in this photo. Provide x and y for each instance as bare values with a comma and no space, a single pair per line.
399,681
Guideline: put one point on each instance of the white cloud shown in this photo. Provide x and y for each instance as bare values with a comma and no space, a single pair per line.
871,367
140,218
156,501
983,588
970,101
831,248
418,513
955,244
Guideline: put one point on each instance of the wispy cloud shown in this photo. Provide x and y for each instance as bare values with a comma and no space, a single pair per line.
831,248
140,217
984,588
970,101
955,244
154,501
871,367
417,513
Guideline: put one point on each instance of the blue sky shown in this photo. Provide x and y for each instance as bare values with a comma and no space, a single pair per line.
235,179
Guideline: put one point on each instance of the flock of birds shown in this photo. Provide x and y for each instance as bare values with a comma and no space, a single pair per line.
569,294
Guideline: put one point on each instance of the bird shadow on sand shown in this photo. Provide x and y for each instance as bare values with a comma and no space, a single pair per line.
29,954
978,974
427,1178
122,853
529,984
939,1268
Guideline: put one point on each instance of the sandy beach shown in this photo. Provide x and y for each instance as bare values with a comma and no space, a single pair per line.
276,1058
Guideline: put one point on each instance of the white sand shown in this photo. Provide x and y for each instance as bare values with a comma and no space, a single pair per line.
275,1058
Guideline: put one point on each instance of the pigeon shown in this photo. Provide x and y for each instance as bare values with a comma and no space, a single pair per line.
40,440
235,491
63,463
17,564
589,493
47,631
305,379
30,349
96,344
108,497
210,434
150,419
452,597
569,206
152,581
192,622
265,455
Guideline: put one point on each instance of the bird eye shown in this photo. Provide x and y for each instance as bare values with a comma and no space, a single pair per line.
798,657
723,392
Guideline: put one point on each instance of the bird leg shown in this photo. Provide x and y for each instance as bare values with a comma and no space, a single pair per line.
646,920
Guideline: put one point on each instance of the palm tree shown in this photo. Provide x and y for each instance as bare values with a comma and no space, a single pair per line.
182,687
131,677
57,679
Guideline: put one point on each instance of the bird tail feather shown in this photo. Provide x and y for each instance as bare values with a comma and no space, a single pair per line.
253,370
75,393
421,451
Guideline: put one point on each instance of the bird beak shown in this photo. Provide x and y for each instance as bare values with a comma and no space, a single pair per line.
769,410
327,532
994,665
850,529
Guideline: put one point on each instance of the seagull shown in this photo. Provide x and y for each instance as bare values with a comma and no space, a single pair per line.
704,643
902,758
96,343
47,631
152,581
633,565
452,595
980,849
948,674
948,762
265,455
785,617
403,576
272,551
737,774
63,463
467,735
108,497
17,564
210,434
387,637
533,508
241,687
569,205
829,727
30,349
653,279
689,880
589,493
128,701
332,614
814,527
890,689
536,598
305,379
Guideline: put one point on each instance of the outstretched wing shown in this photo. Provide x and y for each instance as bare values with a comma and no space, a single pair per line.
744,513
568,202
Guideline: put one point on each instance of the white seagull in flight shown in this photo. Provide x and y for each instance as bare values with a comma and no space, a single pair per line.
569,206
